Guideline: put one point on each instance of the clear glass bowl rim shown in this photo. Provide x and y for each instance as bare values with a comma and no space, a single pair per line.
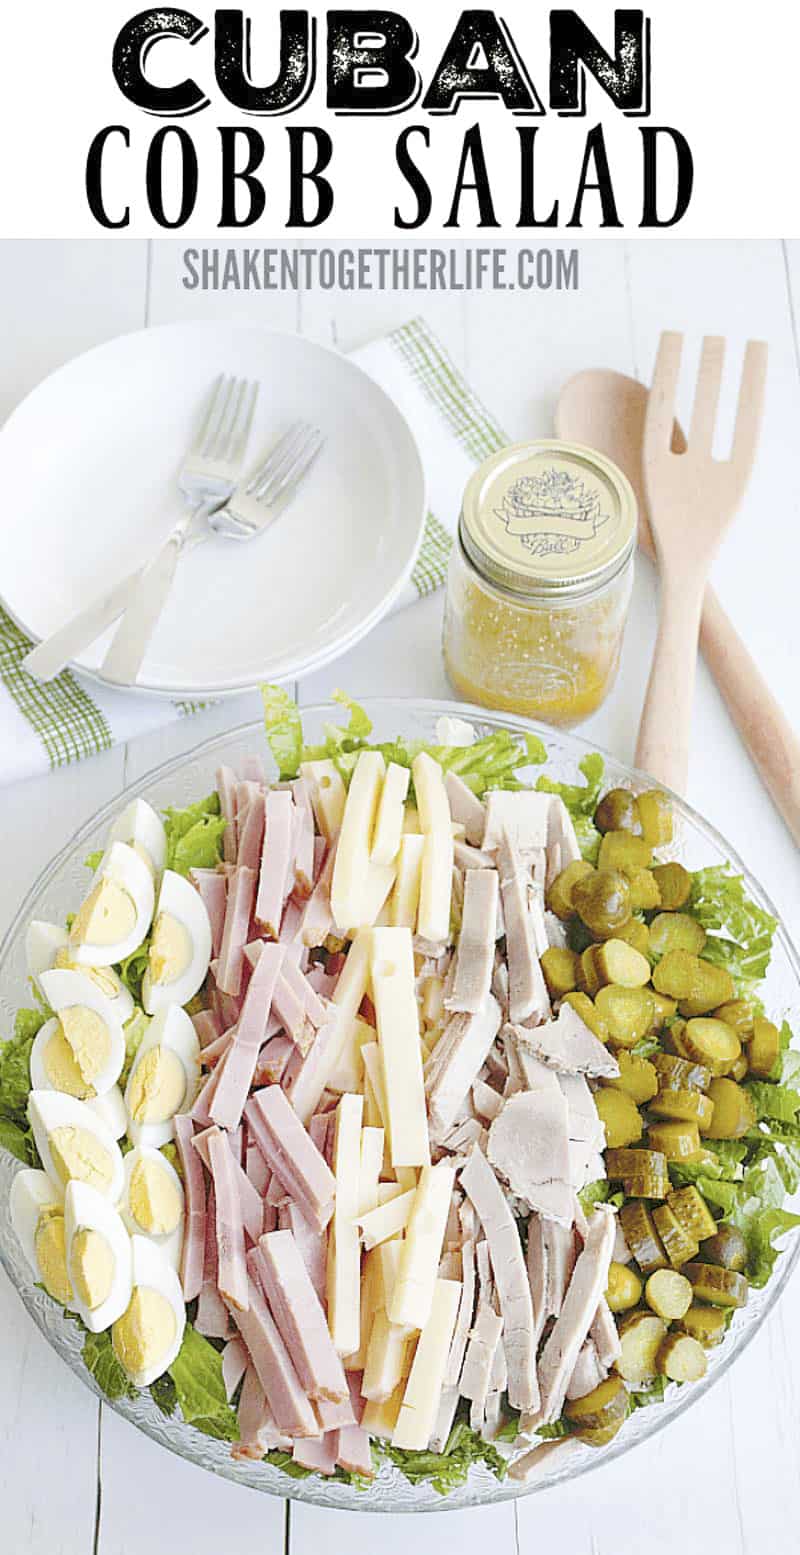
482,1488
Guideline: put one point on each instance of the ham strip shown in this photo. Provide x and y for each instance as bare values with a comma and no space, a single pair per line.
528,998
227,1105
475,956
272,1061
202,1102
213,889
217,1049
290,1408
481,1185
251,834
238,911
234,1365
291,1154
311,1245
249,1198
206,1024
319,1455
274,881
258,1432
303,836
300,1318
231,1271
211,1319
226,788
588,1283
353,1451
194,1225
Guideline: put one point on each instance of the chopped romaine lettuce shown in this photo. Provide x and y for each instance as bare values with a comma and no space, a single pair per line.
757,1212
194,835
15,1084
740,932
165,1394
449,1468
284,729
134,1029
93,859
581,801
600,1192
200,1390
132,970
773,1101
100,1360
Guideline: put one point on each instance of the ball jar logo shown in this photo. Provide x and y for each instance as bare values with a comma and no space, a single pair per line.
365,64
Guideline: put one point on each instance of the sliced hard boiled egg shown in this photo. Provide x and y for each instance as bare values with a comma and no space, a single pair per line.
152,1201
47,946
110,1108
163,1078
91,1028
116,915
36,1206
74,1143
142,829
99,1257
180,946
148,1336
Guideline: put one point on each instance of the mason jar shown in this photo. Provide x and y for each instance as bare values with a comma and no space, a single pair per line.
539,581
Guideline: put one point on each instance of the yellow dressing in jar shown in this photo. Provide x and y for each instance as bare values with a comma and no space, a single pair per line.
539,582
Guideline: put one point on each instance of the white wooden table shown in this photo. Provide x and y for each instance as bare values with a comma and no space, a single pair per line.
74,1479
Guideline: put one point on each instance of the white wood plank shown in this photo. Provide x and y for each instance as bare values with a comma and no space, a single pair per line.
170,301
58,299
338,1533
154,1502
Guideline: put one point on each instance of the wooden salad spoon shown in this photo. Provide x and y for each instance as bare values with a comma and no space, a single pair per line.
607,410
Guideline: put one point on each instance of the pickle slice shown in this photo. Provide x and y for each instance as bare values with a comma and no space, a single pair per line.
606,1405
620,1117
682,1358
641,1336
676,931
675,884
677,1141
561,971
684,1106
719,1287
727,1248
691,1211
712,1043
668,1294
734,1112
630,1163
641,1236
680,1074
624,1289
679,1246
765,1046
707,1324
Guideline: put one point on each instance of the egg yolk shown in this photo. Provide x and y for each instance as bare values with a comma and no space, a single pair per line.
155,1202
158,1086
96,974
89,1038
92,1267
145,1331
107,916
51,1255
170,949
77,1153
62,1069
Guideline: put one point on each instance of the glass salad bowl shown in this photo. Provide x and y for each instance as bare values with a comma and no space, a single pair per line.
189,777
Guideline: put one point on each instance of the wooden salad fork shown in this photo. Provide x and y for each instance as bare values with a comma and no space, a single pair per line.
692,499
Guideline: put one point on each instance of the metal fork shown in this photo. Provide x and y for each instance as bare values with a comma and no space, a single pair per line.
692,499
206,478
261,497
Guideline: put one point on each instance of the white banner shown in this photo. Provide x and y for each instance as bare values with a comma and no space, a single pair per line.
418,120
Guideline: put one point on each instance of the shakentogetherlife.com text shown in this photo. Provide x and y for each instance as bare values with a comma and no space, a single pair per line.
461,268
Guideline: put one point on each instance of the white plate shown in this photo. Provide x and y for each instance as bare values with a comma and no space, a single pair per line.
88,464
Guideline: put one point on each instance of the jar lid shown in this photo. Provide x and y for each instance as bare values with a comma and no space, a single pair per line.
548,518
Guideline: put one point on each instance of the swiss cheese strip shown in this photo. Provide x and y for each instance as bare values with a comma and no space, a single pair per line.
391,812
392,969
404,900
385,1359
436,881
419,1261
344,1255
417,1416
387,1220
328,795
369,1169
351,869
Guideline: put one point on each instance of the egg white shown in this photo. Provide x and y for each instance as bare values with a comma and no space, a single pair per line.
48,1110
170,1244
132,875
31,1192
64,989
181,901
43,942
142,829
85,1209
172,1028
152,1270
